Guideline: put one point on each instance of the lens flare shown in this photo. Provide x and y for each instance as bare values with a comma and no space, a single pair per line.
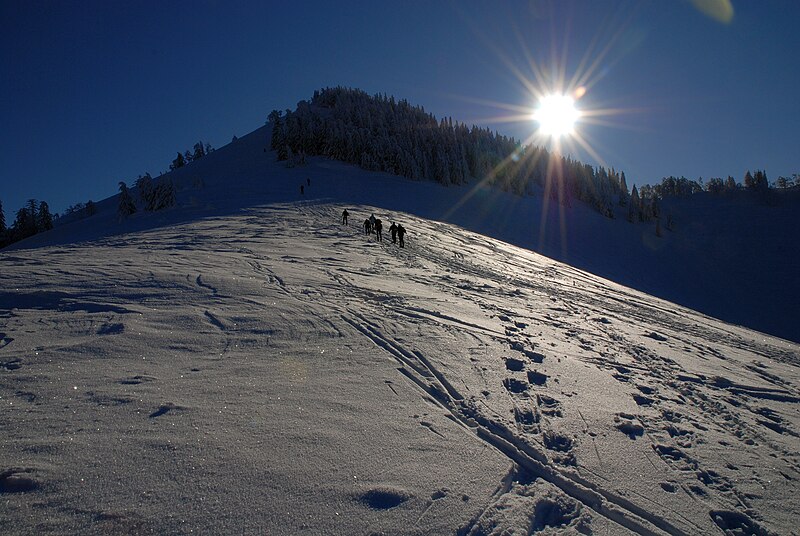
556,115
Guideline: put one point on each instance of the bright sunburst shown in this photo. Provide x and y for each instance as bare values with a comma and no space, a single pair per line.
556,115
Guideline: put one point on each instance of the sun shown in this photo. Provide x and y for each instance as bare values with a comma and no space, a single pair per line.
556,115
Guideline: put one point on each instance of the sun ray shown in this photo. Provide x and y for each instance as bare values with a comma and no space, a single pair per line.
561,110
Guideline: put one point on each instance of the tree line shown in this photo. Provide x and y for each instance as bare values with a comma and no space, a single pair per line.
379,133
34,217
153,194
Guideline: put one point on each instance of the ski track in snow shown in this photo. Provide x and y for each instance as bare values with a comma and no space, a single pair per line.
614,409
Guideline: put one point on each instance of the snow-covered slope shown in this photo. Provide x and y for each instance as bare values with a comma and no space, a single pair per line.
246,364
735,259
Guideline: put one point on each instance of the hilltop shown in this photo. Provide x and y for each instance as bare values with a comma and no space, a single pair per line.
243,363
733,257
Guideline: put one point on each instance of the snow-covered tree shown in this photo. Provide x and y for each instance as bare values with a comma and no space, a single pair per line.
178,162
634,206
163,194
623,190
146,191
127,205
199,151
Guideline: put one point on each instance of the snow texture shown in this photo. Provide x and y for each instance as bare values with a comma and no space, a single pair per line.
243,363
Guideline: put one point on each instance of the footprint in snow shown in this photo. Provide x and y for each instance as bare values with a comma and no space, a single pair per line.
628,425
514,385
164,409
514,364
384,497
537,378
17,481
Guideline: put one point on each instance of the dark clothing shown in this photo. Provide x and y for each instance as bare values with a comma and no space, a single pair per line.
344,216
401,231
393,231
367,226
378,229
301,189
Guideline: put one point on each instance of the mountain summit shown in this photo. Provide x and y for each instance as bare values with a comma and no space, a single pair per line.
245,363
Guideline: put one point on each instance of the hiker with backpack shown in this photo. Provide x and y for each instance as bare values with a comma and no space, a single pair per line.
401,232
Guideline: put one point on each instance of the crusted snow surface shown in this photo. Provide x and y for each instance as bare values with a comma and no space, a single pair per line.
246,364
276,371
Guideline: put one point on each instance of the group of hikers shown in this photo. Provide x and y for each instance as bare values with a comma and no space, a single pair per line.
375,225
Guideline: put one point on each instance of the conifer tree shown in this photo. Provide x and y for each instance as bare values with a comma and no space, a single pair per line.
33,210
24,224
623,190
633,206
199,151
44,220
127,206
145,186
178,162
163,195
2,219
749,181
760,181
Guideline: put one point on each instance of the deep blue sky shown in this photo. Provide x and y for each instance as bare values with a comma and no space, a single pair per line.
96,92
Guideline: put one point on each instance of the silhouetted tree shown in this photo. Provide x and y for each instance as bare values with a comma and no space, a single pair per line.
145,186
760,180
127,205
44,220
199,151
623,190
91,208
715,185
24,224
634,206
2,219
178,162
163,194
749,181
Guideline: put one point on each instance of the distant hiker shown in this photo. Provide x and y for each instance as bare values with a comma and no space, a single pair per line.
308,181
367,226
301,190
344,216
401,231
393,231
378,229
372,222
